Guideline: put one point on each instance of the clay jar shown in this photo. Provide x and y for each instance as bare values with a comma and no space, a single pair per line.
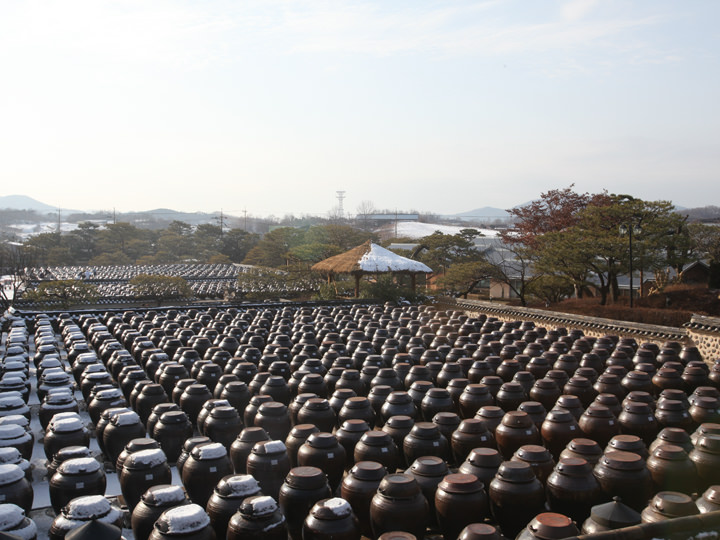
572,489
13,435
516,496
549,526
317,411
192,400
459,501
227,496
242,447
471,433
473,397
81,511
141,471
558,429
710,500
706,457
14,524
637,419
76,478
425,439
64,432
399,505
538,457
322,450
206,466
429,471
349,435
378,446
398,427
515,430
269,464
303,487
187,448
171,431
671,470
492,415
121,429
599,423
669,505
223,425
157,412
359,408
359,487
15,488
582,448
480,531
258,518
510,395
297,437
624,474
152,504
187,522
675,436
331,519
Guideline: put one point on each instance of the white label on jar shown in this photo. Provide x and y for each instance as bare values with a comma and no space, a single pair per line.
148,477
2,497
651,418
273,462
611,422
572,428
383,450
528,432
213,469
79,485
436,443
330,455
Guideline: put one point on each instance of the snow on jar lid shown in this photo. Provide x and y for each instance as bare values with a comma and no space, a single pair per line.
269,447
66,425
185,519
10,454
17,419
87,507
163,495
145,459
209,451
11,516
10,473
237,486
109,394
11,432
125,419
8,402
258,506
335,508
79,466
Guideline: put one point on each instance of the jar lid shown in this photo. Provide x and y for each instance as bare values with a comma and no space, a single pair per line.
306,478
425,430
125,419
264,448
67,425
709,443
479,531
549,526
11,515
322,439
141,443
399,486
577,467
210,451
472,425
585,446
317,404
485,457
164,495
560,415
429,466
368,470
598,410
145,459
397,535
9,473
81,465
401,421
624,461
354,425
237,486
109,394
712,494
532,453
670,452
174,417
674,504
331,509
9,432
258,506
671,405
517,419
303,431
87,507
9,454
225,412
519,472
184,519
460,483
252,434
399,397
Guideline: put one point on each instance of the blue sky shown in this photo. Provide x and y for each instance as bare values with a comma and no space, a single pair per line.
274,105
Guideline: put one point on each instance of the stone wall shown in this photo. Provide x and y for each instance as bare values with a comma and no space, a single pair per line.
703,332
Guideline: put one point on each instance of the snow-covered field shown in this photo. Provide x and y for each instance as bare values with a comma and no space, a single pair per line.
411,229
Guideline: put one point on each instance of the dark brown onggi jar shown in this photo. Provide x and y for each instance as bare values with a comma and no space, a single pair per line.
274,418
227,496
549,526
671,470
187,448
399,505
459,501
258,518
206,466
398,427
572,489
516,429
269,464
667,505
242,447
152,504
583,448
425,439
480,531
331,519
516,496
322,450
710,500
624,474
557,430
349,435
82,510
15,488
187,522
706,457
359,487
76,478
141,471
599,423
471,433
610,516
303,487
483,463
296,438
538,457
429,471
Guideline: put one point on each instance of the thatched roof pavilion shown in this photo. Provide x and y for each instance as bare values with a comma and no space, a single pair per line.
370,258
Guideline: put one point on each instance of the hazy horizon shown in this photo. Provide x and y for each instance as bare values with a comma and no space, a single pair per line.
270,107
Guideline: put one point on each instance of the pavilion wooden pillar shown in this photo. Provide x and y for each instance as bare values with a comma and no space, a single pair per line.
357,285
413,280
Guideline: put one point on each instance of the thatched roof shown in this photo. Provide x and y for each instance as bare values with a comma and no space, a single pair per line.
370,258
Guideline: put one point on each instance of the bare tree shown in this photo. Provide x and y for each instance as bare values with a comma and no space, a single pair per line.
364,210
15,259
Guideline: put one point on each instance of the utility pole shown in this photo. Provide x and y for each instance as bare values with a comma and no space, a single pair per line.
340,198
221,220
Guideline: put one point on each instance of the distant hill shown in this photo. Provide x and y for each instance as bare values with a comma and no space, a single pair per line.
486,213
23,202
